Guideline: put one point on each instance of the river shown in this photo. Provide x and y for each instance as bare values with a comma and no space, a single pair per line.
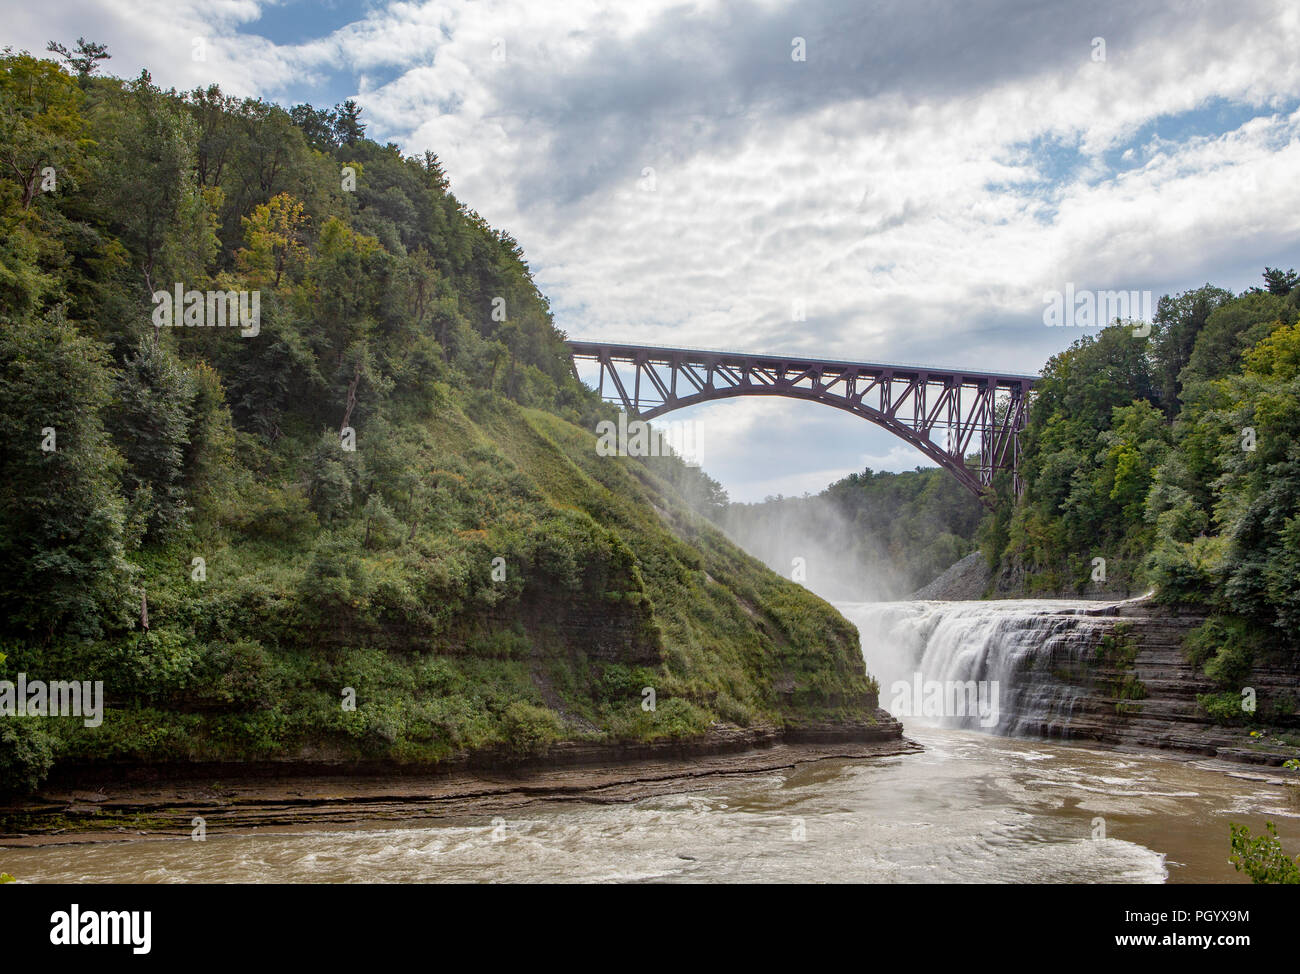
973,807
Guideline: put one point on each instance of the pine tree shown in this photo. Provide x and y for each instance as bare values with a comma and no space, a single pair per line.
1280,282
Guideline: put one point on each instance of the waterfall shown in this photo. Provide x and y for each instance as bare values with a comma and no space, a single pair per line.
1003,667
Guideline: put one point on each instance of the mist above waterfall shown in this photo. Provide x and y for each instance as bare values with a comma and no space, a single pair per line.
813,543
872,536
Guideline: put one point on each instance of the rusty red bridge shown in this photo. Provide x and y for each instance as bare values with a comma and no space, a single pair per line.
967,422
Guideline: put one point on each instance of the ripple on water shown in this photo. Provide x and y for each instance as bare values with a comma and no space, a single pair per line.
971,808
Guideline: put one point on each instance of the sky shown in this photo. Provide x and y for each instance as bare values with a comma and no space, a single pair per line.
919,176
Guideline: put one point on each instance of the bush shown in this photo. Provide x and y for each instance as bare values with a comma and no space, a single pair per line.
1261,858
1225,648
1224,708
26,755
530,729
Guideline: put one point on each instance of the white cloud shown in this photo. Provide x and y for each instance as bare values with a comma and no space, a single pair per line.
886,182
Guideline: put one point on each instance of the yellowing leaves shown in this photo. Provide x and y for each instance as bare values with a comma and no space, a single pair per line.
275,235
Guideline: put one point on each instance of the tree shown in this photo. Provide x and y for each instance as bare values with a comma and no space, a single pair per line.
1132,449
216,114
1179,321
1261,858
1280,282
150,422
317,124
435,177
62,558
1232,328
1258,490
348,127
275,234
40,121
85,59
147,186
334,477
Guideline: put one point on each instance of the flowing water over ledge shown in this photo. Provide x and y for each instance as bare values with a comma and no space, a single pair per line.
1000,655
974,807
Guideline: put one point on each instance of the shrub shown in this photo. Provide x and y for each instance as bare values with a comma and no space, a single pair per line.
1261,858
26,755
530,729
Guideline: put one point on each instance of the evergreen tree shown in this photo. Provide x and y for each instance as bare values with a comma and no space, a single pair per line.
150,422
1280,282
62,559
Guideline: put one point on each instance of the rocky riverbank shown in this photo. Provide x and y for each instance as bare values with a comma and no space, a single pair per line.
113,804
1117,673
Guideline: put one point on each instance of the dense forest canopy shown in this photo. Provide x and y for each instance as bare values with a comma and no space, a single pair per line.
1171,461
375,287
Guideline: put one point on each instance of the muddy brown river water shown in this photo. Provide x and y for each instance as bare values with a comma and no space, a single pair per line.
971,808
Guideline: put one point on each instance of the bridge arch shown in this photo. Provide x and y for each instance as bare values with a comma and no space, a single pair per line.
980,414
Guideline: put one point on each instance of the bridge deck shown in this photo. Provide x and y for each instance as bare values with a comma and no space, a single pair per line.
664,355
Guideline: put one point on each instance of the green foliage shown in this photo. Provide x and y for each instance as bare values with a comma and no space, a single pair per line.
26,754
1224,707
1093,441
473,570
335,478
1219,633
1280,282
62,557
1261,857
1231,664
1232,329
1115,654
1195,490
150,420
530,729
84,59
1179,323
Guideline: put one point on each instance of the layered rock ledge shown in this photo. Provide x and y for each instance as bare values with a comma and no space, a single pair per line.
111,804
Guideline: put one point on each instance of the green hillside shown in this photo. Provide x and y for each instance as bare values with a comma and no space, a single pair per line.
385,491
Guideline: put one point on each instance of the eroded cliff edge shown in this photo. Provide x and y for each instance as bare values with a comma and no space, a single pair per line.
1123,675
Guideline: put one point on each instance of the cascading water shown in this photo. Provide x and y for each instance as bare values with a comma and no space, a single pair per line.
1000,666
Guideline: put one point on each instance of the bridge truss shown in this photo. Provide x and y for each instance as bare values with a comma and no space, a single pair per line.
969,423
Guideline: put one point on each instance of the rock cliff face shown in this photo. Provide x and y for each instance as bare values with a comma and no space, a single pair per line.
1128,681
967,579
1115,673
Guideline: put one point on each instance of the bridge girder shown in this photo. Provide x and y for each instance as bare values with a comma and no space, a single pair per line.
911,402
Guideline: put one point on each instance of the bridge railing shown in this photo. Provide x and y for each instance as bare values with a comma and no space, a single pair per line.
590,346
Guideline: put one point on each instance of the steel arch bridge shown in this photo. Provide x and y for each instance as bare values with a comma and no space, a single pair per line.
978,416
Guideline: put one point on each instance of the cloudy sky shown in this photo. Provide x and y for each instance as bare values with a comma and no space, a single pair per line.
919,180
